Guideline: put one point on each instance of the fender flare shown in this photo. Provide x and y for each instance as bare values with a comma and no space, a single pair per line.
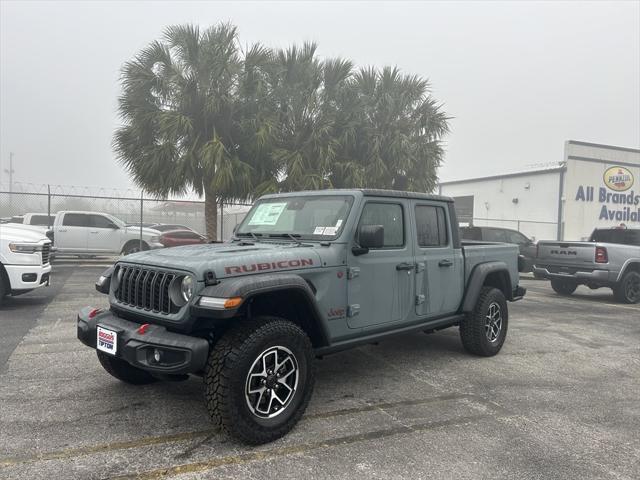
629,263
251,286
477,280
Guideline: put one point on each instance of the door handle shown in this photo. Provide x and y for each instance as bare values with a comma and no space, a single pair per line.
445,263
93,231
405,266
62,230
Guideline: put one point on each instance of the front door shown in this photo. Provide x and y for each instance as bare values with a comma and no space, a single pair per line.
380,285
439,268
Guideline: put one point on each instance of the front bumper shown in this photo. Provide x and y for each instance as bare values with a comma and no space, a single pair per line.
180,354
18,273
581,276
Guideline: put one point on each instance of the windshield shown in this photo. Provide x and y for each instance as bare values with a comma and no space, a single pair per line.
306,217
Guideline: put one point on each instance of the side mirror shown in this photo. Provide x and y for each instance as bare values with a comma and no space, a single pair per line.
369,236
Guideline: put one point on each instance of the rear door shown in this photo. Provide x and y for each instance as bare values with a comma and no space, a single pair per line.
104,235
71,234
439,266
381,289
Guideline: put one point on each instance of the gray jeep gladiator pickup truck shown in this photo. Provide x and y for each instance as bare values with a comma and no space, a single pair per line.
306,274
611,258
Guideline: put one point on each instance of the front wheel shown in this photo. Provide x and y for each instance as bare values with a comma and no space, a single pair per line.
259,379
134,247
484,330
628,289
563,287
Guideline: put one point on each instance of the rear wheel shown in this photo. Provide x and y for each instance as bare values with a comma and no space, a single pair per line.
4,285
563,287
628,289
484,330
123,371
259,379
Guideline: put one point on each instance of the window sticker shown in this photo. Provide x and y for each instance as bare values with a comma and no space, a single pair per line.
267,213
319,231
338,223
330,230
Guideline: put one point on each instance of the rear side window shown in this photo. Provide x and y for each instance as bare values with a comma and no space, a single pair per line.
75,220
42,220
389,215
495,235
184,234
431,226
471,233
617,235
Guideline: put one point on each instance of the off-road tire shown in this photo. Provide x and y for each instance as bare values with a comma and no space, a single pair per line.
473,331
4,285
563,287
229,364
625,291
123,371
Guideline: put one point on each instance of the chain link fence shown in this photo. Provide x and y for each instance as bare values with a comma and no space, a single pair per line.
130,209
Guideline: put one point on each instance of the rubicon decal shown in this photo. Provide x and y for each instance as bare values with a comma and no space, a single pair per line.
619,179
261,267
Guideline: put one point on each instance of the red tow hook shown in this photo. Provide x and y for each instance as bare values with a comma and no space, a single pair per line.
142,329
93,312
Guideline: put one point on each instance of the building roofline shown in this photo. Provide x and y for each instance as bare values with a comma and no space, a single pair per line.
558,168
607,147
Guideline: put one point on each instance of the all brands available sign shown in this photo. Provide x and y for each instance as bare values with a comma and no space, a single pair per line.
619,200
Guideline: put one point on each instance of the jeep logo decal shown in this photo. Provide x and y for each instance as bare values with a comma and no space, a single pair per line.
260,267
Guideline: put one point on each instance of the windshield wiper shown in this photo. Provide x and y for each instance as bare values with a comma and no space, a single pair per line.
292,236
249,234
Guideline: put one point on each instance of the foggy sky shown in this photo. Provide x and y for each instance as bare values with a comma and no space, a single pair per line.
520,79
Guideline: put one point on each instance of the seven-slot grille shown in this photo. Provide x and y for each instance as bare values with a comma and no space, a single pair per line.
46,250
147,289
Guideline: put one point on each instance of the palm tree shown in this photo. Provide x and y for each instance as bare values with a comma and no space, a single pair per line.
192,117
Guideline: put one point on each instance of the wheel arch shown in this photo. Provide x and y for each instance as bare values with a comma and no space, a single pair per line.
631,264
489,274
288,296
145,245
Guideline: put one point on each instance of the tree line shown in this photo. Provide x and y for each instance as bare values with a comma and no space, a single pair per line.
202,113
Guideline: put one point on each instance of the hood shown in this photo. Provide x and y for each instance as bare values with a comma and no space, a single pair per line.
231,259
146,231
22,233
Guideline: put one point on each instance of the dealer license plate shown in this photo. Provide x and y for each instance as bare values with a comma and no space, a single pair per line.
107,340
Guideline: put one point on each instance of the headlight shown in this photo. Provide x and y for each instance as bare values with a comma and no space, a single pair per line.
186,288
25,247
154,239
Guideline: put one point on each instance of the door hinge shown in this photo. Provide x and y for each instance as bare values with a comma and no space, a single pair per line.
419,299
419,267
353,272
353,310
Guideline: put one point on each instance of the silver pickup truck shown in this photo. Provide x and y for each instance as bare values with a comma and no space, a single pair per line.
611,258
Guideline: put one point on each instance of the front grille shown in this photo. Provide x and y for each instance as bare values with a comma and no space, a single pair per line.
146,289
46,250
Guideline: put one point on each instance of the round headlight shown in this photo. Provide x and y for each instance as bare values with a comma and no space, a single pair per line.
186,288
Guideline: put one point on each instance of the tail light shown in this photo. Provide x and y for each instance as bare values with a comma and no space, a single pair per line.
163,240
601,255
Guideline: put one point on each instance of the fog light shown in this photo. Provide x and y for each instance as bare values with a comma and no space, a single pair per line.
29,277
157,355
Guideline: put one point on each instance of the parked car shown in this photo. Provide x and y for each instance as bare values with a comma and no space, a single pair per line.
181,237
611,258
95,233
161,227
39,219
24,260
307,274
526,246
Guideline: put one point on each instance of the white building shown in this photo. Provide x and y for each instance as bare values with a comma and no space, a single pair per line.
594,186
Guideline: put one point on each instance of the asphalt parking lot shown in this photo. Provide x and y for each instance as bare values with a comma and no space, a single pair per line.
562,400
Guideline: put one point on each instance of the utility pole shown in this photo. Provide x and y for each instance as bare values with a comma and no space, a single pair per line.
11,171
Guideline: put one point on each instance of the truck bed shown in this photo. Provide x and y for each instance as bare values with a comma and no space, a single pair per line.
475,252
